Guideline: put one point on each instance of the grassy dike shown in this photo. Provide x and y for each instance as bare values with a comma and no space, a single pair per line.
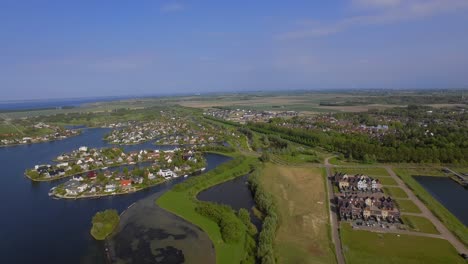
445,216
182,201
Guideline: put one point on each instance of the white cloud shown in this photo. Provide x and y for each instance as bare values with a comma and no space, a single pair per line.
390,11
172,7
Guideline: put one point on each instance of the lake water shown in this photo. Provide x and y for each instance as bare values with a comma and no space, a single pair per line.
235,193
35,228
449,193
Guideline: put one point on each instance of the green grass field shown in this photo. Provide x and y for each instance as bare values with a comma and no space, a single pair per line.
386,180
303,234
395,192
183,203
450,221
363,247
419,224
407,206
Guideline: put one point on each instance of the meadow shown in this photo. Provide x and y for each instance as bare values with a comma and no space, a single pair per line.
303,235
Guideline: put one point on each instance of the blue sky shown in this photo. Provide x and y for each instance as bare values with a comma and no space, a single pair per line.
61,49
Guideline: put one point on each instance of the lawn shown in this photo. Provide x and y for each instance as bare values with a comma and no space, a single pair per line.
395,192
450,221
303,235
370,171
407,206
183,203
419,224
386,180
362,247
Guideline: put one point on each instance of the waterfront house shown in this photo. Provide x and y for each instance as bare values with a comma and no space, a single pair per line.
151,176
82,187
137,180
110,188
166,173
83,149
125,184
92,175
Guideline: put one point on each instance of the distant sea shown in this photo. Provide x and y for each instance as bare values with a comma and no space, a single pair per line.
53,103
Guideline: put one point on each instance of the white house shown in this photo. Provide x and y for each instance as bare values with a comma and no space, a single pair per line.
110,188
83,149
82,187
166,173
63,164
362,184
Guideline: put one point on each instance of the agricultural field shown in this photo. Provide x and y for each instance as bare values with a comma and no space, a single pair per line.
364,247
303,235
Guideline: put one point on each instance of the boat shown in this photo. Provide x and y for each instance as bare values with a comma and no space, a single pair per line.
51,192
203,169
104,168
186,175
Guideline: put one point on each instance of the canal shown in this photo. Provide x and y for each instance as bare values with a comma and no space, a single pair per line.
38,229
449,193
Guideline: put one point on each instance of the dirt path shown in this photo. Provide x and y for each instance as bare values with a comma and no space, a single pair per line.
444,232
335,228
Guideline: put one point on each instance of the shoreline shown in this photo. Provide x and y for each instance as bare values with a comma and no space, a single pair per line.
67,176
32,143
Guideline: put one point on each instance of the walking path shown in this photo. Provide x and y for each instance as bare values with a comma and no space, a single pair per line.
444,232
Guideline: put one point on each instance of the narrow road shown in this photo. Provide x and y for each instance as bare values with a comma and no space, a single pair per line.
335,228
444,232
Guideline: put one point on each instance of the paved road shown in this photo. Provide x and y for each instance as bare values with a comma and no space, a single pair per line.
444,232
333,218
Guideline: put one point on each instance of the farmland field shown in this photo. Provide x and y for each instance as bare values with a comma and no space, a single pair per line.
303,233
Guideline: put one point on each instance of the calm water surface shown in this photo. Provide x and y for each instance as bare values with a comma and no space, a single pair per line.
451,194
35,228
235,193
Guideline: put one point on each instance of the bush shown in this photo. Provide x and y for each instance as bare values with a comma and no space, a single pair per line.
226,219
244,216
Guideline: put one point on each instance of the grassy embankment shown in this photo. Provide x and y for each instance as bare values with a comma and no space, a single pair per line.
181,200
362,247
303,234
450,221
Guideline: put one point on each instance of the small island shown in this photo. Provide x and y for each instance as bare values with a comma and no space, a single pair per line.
104,223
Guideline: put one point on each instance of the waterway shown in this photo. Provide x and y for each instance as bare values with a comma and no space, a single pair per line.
38,229
449,193
235,193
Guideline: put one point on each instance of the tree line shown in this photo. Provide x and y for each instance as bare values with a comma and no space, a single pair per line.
265,203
